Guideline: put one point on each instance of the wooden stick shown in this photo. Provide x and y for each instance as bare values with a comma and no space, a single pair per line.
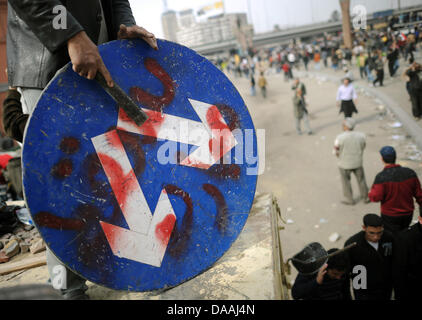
28,263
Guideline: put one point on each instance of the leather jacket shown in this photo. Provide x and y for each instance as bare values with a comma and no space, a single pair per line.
36,50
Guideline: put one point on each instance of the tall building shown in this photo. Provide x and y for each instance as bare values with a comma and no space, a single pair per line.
217,29
186,18
170,24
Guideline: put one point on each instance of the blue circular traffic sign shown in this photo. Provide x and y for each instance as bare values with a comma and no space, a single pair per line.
147,207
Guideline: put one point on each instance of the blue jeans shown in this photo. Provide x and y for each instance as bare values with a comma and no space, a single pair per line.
369,74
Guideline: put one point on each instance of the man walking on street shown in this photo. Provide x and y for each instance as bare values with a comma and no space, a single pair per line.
349,147
379,63
299,85
396,187
346,98
371,260
301,112
262,83
413,74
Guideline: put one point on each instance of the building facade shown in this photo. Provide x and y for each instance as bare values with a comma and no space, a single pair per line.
217,29
170,24
3,57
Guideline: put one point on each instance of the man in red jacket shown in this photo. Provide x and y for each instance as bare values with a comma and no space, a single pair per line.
395,187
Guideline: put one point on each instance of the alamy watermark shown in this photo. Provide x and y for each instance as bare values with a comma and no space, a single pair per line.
217,149
60,20
360,19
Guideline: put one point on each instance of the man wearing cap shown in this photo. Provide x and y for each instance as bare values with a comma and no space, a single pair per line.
371,260
346,98
349,147
409,261
331,282
395,187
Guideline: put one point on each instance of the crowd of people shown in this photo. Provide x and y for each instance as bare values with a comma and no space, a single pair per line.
388,248
375,53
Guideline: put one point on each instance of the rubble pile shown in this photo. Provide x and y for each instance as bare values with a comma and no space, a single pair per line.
23,239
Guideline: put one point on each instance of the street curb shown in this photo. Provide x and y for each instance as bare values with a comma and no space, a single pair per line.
410,125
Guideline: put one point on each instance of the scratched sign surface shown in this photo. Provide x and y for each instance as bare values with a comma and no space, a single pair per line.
140,208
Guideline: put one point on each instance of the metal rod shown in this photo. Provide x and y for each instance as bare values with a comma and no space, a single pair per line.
123,101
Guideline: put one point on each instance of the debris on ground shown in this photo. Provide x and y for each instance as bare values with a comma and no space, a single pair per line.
22,239
334,237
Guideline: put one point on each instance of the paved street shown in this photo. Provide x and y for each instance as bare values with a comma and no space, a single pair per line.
302,171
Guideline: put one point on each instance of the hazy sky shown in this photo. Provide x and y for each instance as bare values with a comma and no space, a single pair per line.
264,13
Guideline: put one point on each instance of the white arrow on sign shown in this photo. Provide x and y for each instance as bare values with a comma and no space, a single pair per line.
212,135
148,235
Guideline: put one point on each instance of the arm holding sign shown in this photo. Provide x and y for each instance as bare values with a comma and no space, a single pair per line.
83,52
14,121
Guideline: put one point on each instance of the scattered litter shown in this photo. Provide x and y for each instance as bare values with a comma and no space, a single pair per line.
396,125
323,137
290,221
322,221
24,216
334,237
316,226
289,209
399,138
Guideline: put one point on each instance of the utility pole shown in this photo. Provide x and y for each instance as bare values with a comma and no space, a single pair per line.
249,10
347,29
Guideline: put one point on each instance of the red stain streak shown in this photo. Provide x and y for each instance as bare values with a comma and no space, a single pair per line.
111,234
222,136
113,139
150,128
230,114
121,184
231,171
221,219
164,229
46,219
69,145
181,235
143,97
63,169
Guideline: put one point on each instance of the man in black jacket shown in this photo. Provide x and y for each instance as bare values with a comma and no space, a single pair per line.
330,283
37,48
409,264
371,260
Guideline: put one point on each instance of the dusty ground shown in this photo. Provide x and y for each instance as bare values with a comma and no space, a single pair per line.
301,171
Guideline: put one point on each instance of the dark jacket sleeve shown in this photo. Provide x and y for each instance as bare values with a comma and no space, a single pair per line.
346,288
14,121
304,287
39,16
122,13
400,263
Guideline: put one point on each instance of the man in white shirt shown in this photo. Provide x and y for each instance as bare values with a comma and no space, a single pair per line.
346,98
349,147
